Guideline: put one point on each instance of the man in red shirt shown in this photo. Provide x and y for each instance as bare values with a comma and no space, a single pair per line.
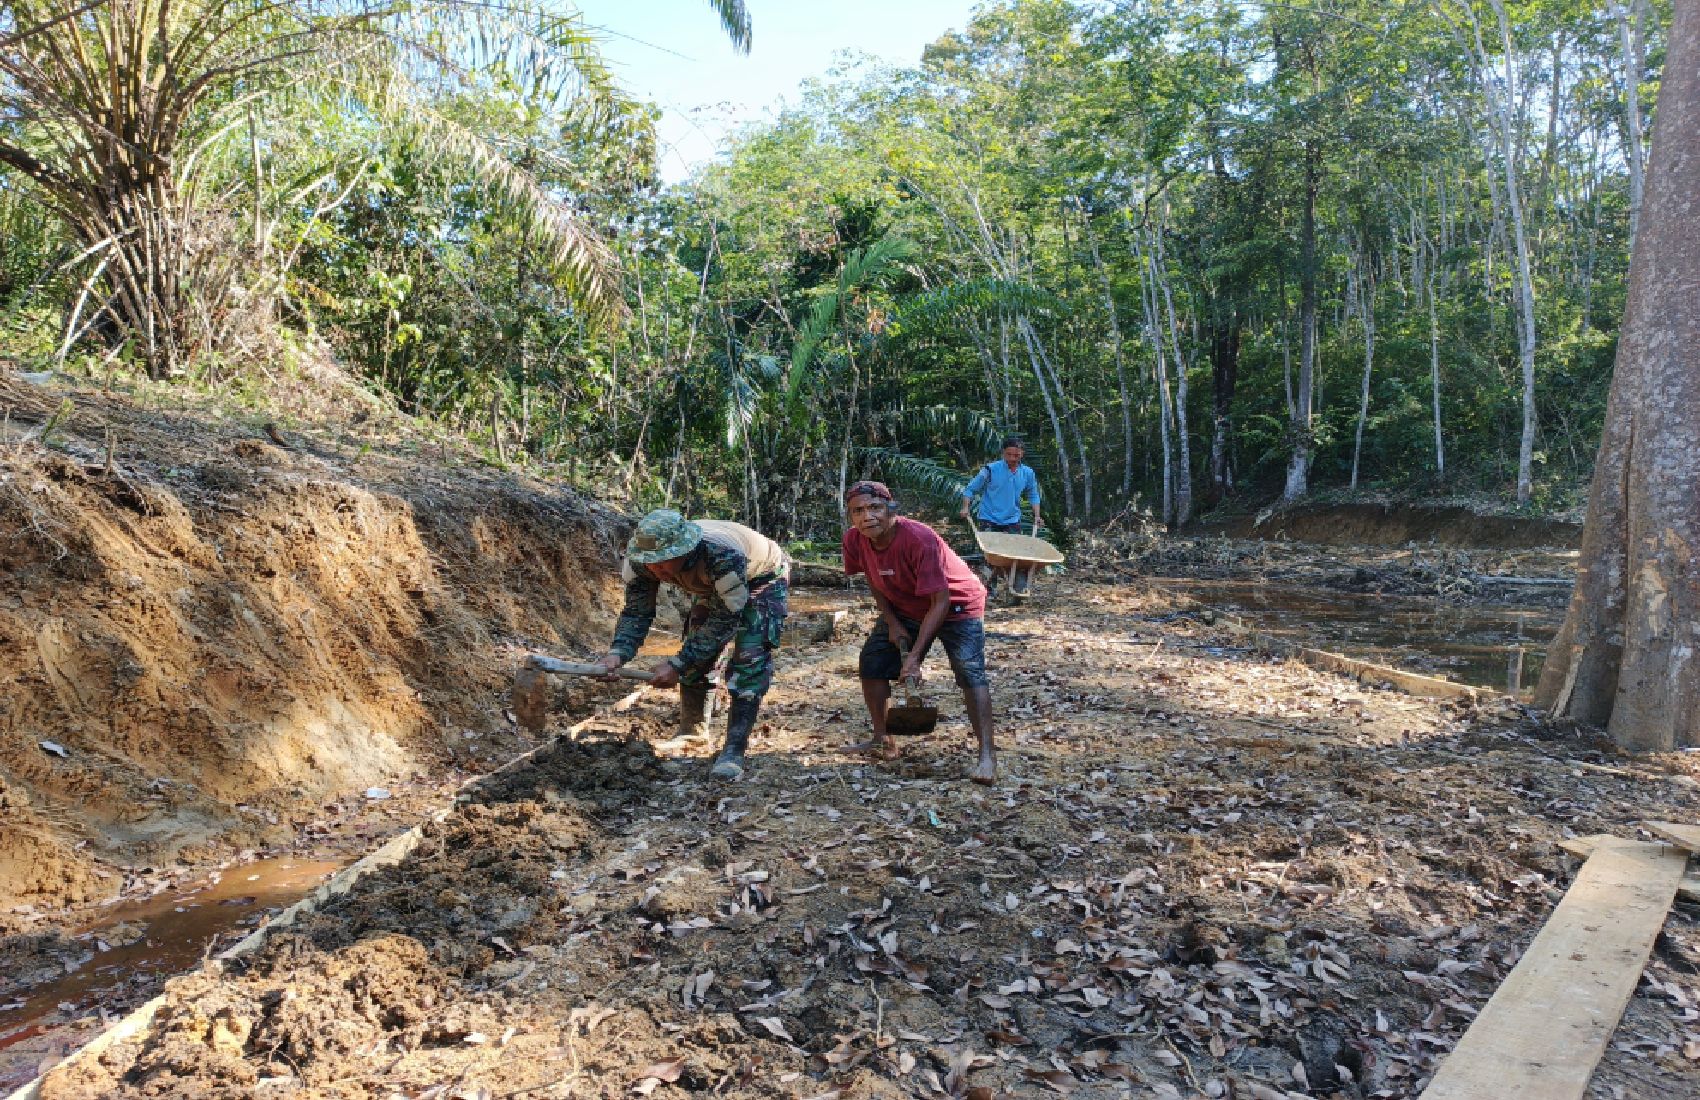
924,591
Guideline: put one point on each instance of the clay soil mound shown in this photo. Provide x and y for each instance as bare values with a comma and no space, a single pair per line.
1398,524
212,633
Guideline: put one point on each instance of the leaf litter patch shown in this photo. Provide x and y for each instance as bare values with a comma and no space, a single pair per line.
1199,875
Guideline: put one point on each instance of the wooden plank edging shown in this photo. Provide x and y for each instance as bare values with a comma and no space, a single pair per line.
1411,683
388,854
1544,1029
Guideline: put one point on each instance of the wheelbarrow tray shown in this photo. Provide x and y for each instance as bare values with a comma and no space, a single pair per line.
1022,548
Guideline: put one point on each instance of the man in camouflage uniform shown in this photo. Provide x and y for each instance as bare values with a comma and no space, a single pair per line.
739,580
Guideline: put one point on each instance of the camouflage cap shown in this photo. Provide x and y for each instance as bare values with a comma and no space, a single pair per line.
661,535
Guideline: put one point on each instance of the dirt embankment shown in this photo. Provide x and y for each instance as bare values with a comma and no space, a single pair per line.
204,634
1397,524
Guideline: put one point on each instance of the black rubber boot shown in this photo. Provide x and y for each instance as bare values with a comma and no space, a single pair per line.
740,720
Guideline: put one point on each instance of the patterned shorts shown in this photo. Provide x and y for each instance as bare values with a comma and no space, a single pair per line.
750,670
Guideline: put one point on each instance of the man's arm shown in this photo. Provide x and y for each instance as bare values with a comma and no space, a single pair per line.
1033,497
701,644
636,617
924,636
894,627
975,484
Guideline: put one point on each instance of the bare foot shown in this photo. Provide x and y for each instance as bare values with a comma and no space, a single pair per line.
986,773
880,748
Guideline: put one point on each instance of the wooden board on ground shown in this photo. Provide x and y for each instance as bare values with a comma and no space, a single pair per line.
1683,836
1583,846
1543,1031
1021,548
1411,683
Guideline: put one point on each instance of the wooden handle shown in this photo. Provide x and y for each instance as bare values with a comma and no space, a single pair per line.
573,668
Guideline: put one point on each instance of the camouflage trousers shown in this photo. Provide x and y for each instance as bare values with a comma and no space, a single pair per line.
750,670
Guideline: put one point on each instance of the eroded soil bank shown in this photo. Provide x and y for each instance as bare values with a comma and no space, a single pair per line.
207,635
1364,524
1202,873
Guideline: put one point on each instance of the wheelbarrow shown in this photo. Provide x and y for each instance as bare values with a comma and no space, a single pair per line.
1016,552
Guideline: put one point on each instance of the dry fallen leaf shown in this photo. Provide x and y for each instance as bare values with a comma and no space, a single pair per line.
775,1027
1061,1080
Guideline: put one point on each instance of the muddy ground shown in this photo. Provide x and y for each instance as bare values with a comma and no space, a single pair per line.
1202,873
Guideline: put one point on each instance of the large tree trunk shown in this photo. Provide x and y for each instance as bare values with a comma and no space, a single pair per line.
1628,657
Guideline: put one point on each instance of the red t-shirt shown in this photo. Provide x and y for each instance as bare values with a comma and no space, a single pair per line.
913,566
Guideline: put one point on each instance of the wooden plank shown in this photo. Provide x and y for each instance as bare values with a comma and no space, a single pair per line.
1544,1029
1583,846
1683,836
1411,683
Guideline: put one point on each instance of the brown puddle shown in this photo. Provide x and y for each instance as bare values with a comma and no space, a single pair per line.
814,599
1469,643
169,933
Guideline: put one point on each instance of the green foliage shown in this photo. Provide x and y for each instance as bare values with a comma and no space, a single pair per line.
1084,223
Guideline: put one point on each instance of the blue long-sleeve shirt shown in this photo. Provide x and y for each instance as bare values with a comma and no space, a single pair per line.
1000,490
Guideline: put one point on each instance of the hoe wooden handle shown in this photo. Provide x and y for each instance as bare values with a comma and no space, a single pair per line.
573,668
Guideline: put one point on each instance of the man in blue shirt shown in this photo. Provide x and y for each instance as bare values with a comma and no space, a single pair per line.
1000,487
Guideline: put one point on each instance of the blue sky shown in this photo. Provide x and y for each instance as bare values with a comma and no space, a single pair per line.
674,53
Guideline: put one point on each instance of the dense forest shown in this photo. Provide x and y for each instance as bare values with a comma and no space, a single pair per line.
1190,250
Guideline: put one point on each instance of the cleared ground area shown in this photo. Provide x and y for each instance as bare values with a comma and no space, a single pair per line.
1202,872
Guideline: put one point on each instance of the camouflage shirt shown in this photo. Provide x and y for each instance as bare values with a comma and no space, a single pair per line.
715,573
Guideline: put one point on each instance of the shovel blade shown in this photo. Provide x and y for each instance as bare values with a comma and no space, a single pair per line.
530,699
911,720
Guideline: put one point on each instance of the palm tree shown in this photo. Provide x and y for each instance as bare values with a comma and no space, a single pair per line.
116,111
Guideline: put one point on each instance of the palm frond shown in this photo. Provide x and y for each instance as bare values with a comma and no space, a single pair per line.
736,21
939,422
743,396
923,475
862,268
588,268
977,296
